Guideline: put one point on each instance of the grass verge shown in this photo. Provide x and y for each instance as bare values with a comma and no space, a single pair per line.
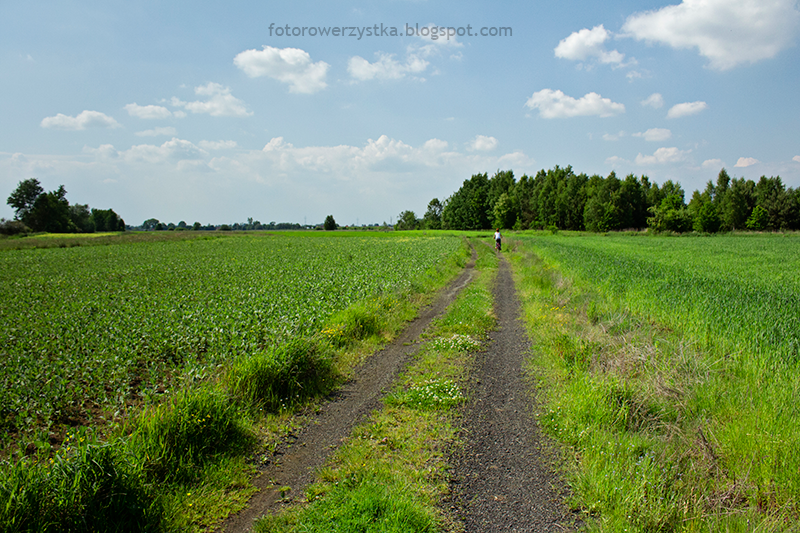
391,472
644,412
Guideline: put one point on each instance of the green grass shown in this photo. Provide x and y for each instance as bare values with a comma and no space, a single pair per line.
661,370
391,473
180,460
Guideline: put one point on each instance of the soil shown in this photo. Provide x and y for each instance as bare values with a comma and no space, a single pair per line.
294,463
502,476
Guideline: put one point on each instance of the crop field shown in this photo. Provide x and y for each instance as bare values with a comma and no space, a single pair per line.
671,368
87,331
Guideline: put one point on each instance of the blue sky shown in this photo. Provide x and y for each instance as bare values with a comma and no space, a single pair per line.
199,111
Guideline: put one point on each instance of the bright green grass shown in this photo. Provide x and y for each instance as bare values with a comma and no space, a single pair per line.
87,331
670,366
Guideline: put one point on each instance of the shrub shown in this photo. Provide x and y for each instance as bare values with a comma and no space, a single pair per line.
13,227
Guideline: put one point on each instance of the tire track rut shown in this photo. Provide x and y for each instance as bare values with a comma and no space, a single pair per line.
500,478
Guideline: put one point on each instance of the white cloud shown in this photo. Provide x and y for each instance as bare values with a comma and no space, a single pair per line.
796,158
87,119
555,104
662,156
746,162
217,145
588,44
155,132
482,143
727,32
655,101
385,68
220,102
613,136
147,111
616,161
655,134
686,109
713,163
287,65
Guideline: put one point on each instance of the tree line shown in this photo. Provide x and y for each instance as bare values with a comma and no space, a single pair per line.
561,199
37,210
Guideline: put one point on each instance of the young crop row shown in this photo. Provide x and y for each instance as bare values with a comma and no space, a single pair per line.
88,331
742,292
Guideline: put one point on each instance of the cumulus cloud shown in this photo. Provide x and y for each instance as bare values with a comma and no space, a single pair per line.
613,136
686,109
588,44
292,66
86,119
555,104
713,163
386,67
220,102
655,134
726,32
662,156
482,143
148,111
796,158
746,162
156,132
655,101
217,145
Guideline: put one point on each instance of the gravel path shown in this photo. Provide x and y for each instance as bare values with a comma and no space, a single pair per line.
501,480
295,462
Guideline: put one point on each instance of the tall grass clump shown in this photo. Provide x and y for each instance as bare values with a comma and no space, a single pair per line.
176,439
280,377
84,487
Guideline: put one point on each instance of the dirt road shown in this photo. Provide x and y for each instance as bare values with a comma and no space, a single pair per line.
501,480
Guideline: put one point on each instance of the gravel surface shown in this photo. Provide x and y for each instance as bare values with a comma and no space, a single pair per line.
501,476
294,463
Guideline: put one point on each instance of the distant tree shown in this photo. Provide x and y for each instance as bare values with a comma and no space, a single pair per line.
671,214
196,226
329,225
505,215
182,224
407,220
225,227
759,219
82,218
737,204
433,216
50,213
468,208
13,227
150,224
108,220
24,196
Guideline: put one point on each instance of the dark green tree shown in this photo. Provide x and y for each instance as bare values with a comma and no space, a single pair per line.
50,213
108,220
433,216
330,223
82,218
24,196
407,220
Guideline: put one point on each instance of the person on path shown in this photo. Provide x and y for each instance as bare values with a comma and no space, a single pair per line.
497,238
